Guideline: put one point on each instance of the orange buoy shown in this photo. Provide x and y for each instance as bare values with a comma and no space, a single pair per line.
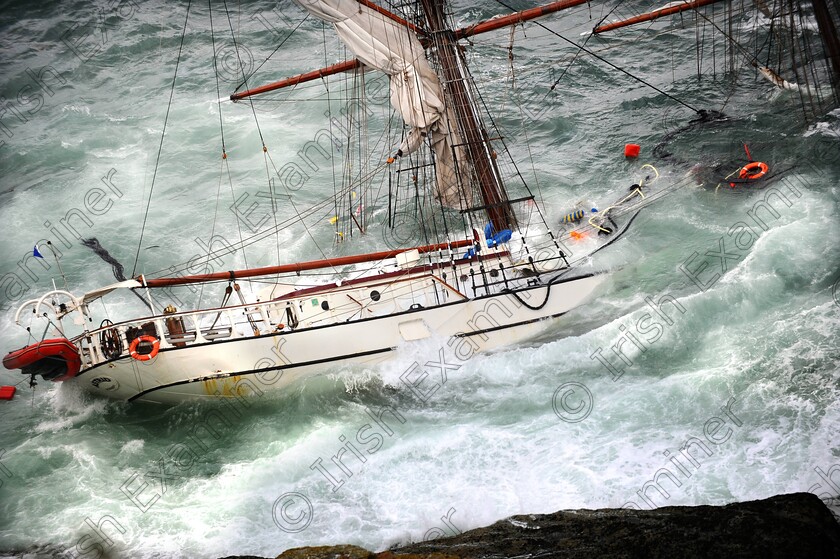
632,150
132,349
753,170
7,392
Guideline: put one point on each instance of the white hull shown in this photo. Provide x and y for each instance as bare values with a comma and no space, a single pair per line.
494,286
243,366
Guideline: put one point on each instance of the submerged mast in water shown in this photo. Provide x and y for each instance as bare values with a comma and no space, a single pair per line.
828,32
785,48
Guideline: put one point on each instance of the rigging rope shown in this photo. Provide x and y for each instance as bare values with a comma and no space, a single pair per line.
607,62
216,74
572,61
222,132
513,163
162,135
283,42
299,217
242,68
116,267
259,130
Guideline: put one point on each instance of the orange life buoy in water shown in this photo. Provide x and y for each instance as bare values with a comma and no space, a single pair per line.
132,349
753,170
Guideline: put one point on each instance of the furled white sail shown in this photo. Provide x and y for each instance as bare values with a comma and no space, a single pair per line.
384,44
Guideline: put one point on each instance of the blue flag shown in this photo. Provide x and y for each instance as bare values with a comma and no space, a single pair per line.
36,253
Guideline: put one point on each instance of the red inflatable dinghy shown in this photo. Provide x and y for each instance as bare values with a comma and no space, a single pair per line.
56,359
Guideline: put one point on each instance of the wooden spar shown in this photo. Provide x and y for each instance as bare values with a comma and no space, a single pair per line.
392,16
298,267
478,28
654,15
516,17
650,16
345,66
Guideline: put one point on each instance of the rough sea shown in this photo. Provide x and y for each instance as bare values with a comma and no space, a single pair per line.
705,371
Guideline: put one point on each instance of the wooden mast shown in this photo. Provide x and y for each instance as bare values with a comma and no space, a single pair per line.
469,125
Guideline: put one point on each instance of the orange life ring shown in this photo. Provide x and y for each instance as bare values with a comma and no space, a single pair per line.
753,170
132,349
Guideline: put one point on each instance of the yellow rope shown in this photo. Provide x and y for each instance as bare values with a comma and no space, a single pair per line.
634,192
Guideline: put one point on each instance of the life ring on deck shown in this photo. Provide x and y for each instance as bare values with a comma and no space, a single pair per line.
132,349
753,170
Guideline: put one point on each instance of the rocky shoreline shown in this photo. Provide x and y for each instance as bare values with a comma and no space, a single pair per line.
795,525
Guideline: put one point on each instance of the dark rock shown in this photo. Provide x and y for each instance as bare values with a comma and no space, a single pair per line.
327,552
797,525
434,555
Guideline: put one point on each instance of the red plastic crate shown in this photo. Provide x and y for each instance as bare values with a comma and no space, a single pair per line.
7,392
